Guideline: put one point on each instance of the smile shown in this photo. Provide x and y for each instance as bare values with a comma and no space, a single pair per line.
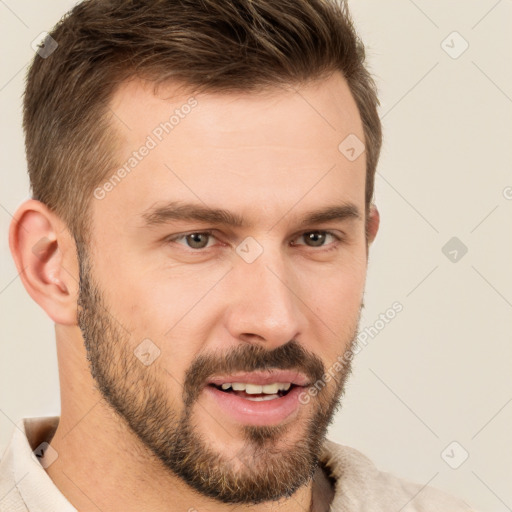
257,398
256,392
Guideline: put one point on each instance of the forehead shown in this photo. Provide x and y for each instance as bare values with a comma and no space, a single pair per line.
327,106
254,153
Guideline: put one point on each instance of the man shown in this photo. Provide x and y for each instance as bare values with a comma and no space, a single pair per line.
202,177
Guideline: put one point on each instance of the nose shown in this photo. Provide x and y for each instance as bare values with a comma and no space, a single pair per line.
264,307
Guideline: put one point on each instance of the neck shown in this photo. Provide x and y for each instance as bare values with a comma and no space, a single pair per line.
322,492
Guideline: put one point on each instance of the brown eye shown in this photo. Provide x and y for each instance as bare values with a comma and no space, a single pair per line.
317,238
197,240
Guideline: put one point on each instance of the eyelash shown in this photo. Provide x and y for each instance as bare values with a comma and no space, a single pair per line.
211,234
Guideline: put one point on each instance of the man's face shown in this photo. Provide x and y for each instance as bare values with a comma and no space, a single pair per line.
171,315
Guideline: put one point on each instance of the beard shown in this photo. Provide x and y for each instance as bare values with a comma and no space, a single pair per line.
267,468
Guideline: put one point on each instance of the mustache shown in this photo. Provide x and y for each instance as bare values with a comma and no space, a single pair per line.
247,358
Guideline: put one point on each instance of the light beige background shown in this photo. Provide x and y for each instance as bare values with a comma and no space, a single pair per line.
440,371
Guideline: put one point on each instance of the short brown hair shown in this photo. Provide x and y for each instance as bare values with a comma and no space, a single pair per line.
208,45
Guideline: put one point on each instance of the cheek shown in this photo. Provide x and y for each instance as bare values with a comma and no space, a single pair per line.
146,314
336,287
335,302
148,301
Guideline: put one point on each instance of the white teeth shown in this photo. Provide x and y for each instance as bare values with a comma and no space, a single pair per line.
271,389
261,398
253,389
256,389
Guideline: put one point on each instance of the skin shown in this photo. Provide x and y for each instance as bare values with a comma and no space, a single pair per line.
269,157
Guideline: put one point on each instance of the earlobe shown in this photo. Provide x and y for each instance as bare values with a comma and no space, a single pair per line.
372,225
43,251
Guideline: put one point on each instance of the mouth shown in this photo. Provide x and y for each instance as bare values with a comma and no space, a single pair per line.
258,398
256,392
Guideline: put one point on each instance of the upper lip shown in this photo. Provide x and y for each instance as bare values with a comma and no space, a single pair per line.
262,377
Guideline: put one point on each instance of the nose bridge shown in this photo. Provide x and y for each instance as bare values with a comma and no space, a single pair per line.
264,305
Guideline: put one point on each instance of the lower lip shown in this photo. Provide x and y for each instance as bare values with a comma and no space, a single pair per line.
248,412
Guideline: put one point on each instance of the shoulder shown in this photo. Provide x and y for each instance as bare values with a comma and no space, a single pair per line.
359,485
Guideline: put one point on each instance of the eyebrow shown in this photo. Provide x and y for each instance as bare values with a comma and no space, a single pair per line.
179,211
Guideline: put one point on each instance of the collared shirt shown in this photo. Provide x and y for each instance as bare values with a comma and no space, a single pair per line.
359,486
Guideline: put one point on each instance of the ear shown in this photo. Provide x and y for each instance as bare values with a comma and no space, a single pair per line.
45,255
372,224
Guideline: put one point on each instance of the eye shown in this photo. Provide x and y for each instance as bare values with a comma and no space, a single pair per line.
317,238
199,240
196,240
